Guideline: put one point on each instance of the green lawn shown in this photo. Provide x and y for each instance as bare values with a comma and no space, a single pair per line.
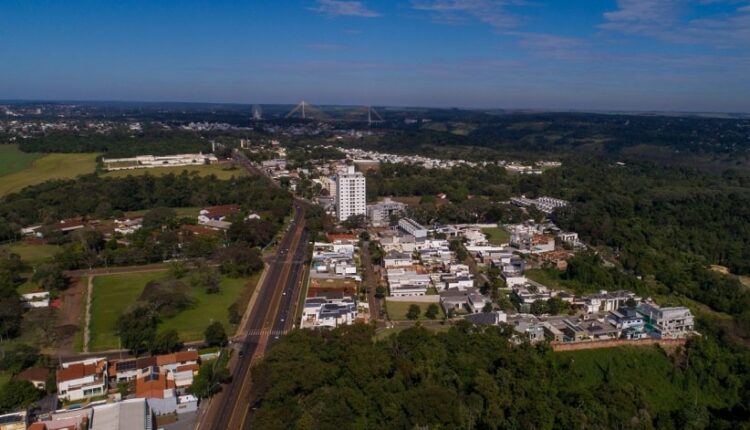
496,235
33,253
113,294
222,171
398,310
46,167
13,160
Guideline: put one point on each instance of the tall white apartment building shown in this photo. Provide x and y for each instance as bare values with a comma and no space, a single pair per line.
350,194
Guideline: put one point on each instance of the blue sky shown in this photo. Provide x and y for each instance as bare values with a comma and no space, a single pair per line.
691,55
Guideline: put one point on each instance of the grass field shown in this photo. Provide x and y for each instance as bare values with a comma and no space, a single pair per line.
496,235
221,171
191,324
544,278
111,297
46,167
398,310
181,212
33,253
113,294
13,160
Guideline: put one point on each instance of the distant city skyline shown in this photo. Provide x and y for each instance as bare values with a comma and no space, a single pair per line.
634,55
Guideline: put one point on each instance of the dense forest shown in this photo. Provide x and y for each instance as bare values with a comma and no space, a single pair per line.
153,140
669,140
92,195
473,378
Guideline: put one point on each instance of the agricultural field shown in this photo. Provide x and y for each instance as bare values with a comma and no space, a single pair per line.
114,294
496,235
13,160
47,167
33,253
221,171
398,310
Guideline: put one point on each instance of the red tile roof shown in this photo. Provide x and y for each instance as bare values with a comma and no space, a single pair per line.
33,374
221,211
76,371
154,388
177,357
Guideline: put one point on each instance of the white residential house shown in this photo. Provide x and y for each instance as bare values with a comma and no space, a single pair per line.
394,259
667,322
329,311
606,301
470,300
404,283
78,380
36,300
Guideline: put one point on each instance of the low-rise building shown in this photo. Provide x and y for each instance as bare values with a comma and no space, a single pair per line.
36,375
379,214
606,301
413,228
667,322
329,310
217,213
14,421
404,283
395,259
466,300
78,380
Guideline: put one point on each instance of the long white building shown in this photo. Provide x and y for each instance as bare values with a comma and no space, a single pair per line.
350,194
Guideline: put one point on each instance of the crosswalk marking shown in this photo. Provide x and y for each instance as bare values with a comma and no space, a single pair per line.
266,331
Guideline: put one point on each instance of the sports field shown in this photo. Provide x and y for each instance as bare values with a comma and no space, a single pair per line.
113,294
46,167
222,171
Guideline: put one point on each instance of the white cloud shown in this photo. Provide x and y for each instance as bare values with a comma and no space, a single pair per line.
491,12
344,8
666,20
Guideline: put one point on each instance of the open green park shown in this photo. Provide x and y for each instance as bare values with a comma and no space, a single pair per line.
19,169
114,294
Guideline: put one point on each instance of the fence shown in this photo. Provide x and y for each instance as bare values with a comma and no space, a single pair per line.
595,344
